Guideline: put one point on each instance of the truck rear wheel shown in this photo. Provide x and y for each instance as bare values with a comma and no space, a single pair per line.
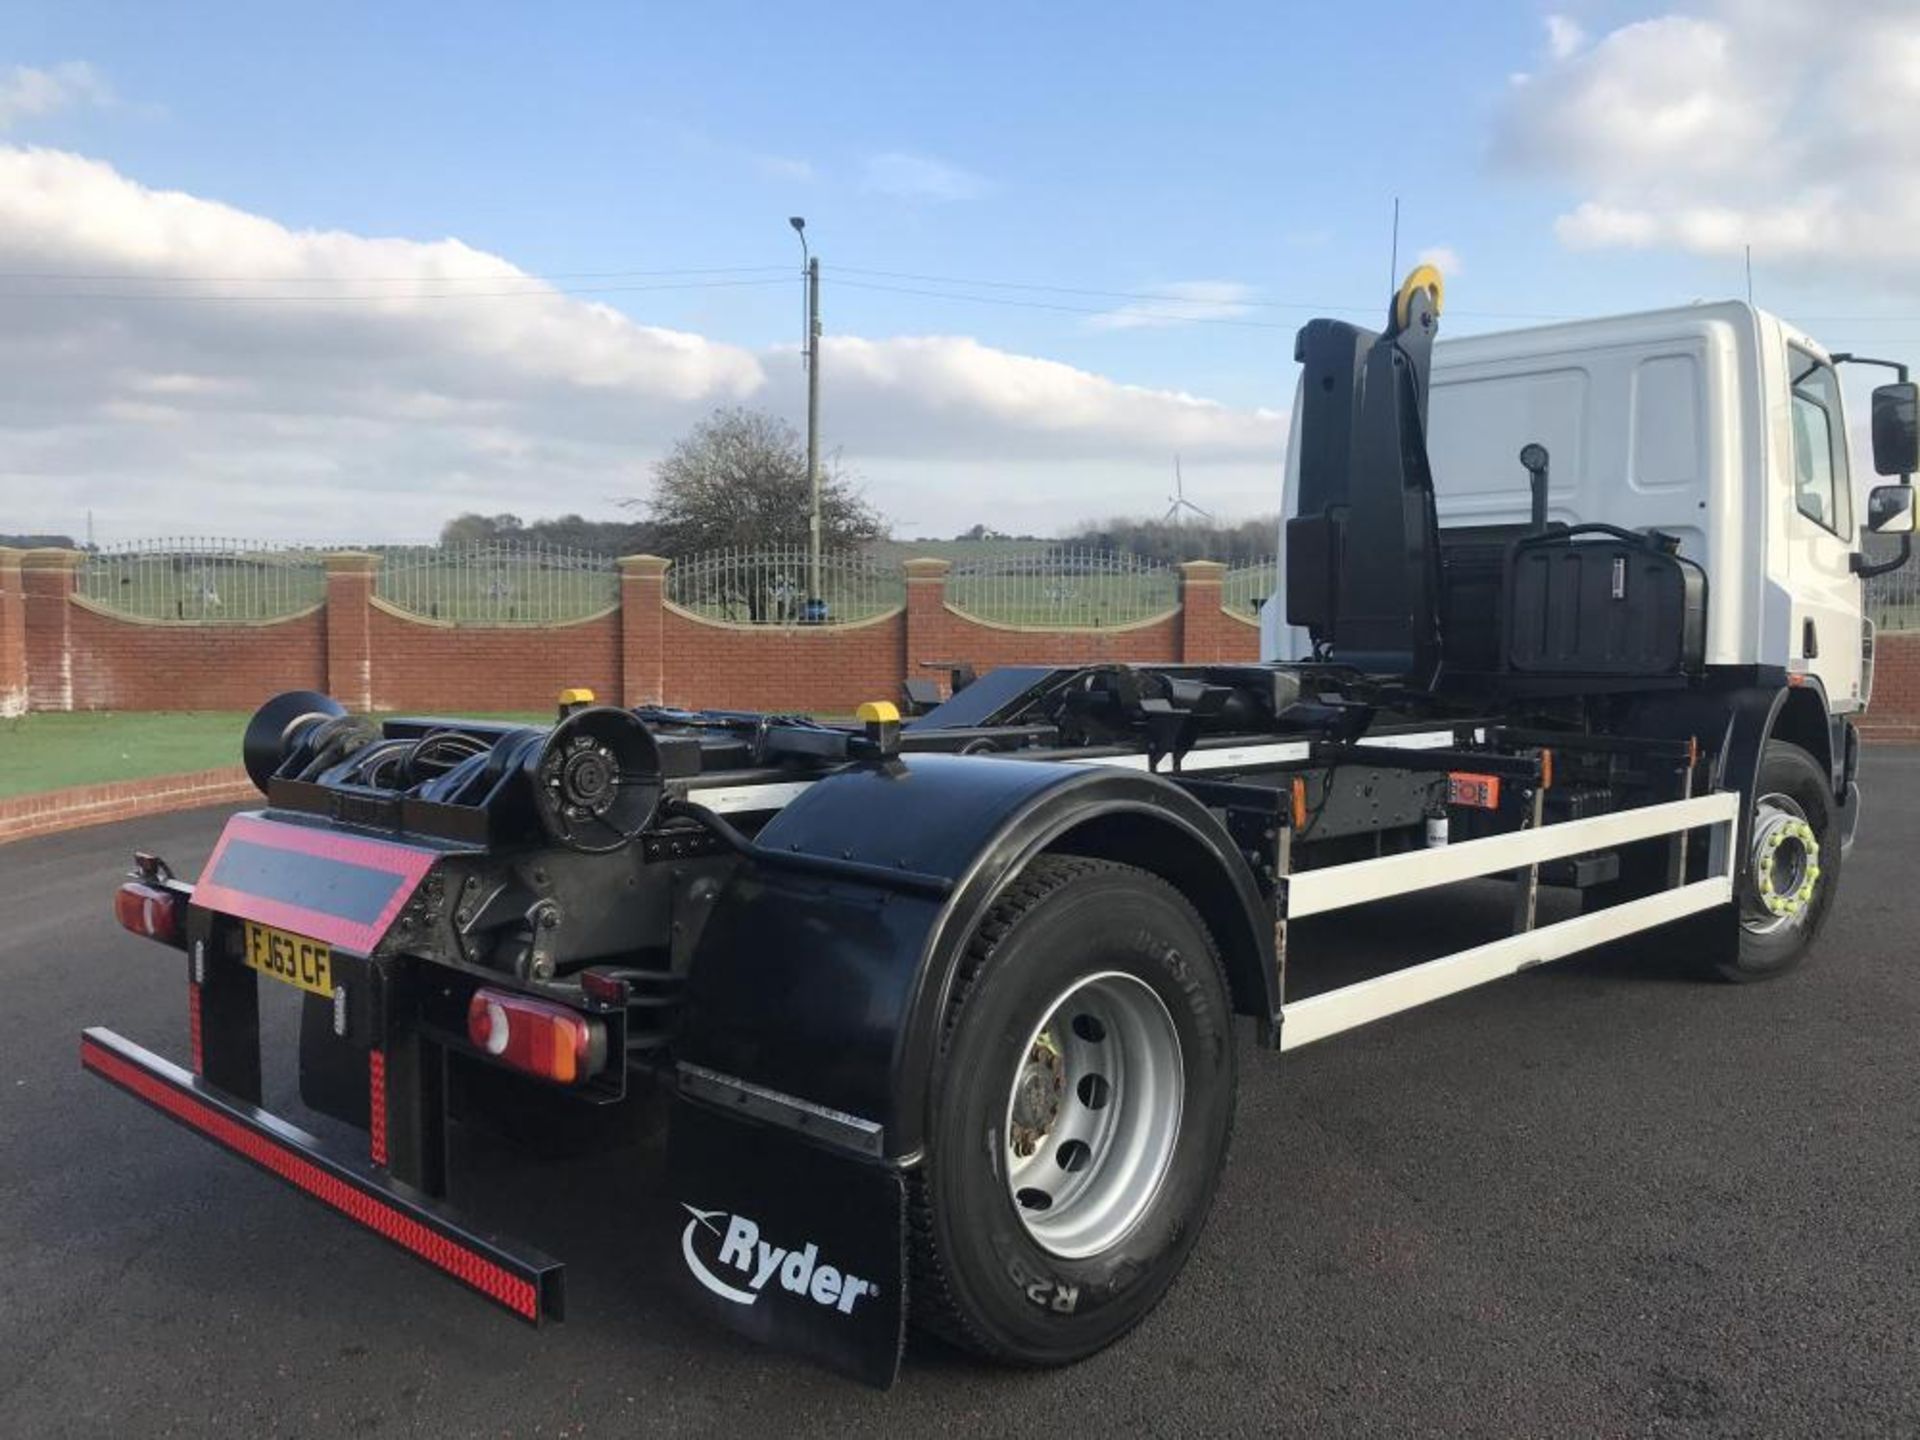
1080,1115
1792,868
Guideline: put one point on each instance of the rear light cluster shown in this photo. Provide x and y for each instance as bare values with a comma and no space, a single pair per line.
549,1041
151,910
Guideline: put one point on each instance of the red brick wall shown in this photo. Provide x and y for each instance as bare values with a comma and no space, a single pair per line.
13,635
124,665
832,668
25,816
1238,643
46,582
1895,711
79,657
369,656
985,646
450,669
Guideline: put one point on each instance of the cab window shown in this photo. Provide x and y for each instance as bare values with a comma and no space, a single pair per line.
1821,489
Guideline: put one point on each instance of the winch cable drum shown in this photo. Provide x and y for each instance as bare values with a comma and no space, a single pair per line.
283,724
595,778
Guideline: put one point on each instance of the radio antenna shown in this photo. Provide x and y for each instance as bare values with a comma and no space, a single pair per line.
1393,257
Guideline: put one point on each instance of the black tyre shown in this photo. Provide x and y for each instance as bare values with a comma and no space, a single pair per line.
1792,869
1080,1115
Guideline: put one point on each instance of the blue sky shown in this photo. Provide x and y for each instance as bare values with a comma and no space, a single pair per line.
1242,156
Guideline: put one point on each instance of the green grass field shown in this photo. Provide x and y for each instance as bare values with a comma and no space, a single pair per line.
51,751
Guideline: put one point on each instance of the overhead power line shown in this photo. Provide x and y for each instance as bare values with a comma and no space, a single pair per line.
1172,297
544,292
549,275
1178,308
1167,316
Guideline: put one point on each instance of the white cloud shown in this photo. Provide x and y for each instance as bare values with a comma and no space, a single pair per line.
1773,123
1564,36
921,177
372,387
786,167
1179,304
27,93
1445,259
940,394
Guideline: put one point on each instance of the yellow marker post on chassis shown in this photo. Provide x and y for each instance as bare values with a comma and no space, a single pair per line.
882,719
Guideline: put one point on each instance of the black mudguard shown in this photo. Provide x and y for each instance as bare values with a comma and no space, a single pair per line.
834,991
815,1009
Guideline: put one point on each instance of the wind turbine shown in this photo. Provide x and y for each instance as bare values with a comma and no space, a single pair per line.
1179,502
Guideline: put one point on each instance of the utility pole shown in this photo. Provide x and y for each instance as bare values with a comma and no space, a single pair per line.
814,611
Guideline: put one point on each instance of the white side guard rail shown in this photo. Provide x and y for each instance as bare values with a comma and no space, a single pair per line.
1316,892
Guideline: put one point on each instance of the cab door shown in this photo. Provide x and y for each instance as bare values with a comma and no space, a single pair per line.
1824,592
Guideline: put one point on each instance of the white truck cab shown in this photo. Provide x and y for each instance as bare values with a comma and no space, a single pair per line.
1719,424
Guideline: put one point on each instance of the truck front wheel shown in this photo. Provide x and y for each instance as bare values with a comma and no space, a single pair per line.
1080,1115
1792,868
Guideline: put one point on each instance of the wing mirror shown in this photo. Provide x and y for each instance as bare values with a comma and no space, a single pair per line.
1896,432
1890,508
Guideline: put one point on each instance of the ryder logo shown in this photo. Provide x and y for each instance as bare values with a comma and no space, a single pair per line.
755,1264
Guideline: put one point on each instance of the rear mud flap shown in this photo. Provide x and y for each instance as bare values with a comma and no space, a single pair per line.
789,1243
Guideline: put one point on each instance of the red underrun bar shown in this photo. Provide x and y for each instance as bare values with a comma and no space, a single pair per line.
515,1276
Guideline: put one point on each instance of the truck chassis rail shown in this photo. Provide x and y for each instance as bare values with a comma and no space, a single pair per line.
516,1276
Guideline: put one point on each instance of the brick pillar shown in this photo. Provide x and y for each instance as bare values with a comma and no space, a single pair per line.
350,576
13,636
1202,620
927,629
643,609
47,580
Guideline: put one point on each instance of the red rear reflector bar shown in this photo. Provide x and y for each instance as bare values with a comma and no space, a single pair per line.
549,1041
149,910
377,1106
193,1026
516,1276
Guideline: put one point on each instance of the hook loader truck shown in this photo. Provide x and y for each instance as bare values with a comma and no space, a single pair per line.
943,1010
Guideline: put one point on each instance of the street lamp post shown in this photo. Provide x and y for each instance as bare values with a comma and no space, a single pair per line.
811,265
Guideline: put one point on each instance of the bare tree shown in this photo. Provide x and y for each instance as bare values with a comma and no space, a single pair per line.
739,480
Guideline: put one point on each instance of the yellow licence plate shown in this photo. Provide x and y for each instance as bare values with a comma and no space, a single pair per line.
292,958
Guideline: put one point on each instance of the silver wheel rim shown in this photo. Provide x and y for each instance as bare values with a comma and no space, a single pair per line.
1783,865
1093,1114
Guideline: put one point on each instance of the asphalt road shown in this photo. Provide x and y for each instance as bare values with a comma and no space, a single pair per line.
1596,1199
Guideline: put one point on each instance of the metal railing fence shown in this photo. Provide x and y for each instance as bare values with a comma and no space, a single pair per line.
769,586
520,582
1893,599
1245,588
489,582
203,579
1063,586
